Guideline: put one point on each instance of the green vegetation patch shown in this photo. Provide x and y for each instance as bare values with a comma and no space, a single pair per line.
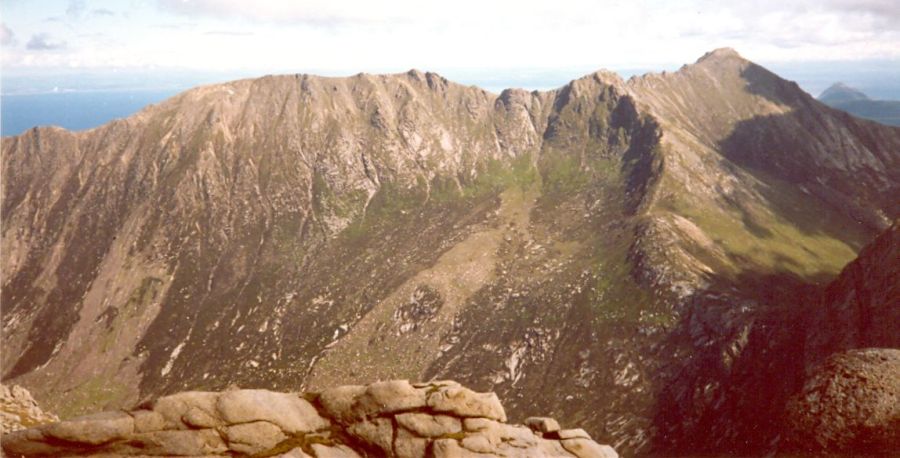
614,293
93,395
789,236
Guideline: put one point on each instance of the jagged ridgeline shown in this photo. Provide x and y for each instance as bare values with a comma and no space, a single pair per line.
600,253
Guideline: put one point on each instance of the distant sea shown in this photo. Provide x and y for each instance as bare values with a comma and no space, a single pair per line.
73,110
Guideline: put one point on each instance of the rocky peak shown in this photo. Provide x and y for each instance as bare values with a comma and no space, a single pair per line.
393,418
608,78
416,74
514,96
840,92
597,82
721,54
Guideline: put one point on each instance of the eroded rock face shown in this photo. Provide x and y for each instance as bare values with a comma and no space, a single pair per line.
861,308
851,405
392,418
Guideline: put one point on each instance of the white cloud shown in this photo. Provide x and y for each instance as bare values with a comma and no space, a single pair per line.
325,12
282,35
884,9
638,31
7,37
43,42
76,9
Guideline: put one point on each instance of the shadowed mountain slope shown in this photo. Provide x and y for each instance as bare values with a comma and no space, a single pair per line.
598,252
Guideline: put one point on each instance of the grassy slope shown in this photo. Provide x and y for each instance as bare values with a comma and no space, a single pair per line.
759,220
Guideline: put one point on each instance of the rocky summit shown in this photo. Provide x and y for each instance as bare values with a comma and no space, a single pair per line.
383,419
646,258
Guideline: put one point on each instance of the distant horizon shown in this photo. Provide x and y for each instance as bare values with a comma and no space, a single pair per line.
877,76
84,99
106,45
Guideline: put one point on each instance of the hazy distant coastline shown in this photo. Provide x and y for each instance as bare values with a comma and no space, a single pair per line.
80,100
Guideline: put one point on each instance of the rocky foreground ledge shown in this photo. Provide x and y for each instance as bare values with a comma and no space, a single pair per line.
393,419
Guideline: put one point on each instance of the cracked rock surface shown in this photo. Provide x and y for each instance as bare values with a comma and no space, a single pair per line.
390,418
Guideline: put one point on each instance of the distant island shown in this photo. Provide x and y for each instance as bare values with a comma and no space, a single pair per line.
855,102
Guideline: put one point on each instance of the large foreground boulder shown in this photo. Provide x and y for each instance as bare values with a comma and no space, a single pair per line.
850,405
392,419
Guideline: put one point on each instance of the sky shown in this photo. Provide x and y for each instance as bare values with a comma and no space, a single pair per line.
163,39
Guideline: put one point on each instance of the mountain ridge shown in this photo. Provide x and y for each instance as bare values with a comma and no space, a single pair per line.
594,223
841,92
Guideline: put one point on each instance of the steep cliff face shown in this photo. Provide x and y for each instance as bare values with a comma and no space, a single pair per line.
787,381
850,399
757,208
861,308
600,252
